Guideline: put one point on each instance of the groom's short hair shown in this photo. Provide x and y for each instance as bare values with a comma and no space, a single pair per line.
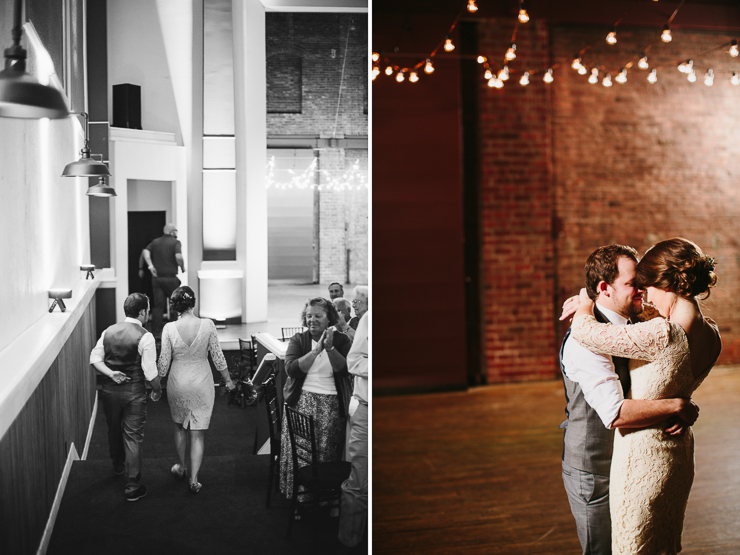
602,265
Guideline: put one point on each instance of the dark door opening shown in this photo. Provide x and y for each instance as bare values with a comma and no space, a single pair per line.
143,227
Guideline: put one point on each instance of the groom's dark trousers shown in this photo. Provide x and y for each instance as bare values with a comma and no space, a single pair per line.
587,455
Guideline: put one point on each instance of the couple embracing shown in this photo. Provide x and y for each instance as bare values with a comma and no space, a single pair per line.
630,368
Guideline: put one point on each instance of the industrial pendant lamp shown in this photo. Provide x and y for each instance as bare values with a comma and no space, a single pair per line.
102,189
21,95
86,166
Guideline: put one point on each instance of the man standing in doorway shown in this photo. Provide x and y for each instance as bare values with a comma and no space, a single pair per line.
163,256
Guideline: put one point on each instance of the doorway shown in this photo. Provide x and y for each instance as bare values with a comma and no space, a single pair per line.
143,227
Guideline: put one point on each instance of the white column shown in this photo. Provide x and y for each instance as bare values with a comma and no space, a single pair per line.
250,113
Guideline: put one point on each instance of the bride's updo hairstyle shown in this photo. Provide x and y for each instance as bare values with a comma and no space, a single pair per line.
677,265
182,299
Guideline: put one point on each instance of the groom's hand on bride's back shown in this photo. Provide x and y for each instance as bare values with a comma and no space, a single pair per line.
687,414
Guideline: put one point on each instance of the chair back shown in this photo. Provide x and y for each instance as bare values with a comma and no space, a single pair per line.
273,412
290,332
302,438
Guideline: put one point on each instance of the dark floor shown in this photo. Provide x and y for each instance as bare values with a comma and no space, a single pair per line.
227,516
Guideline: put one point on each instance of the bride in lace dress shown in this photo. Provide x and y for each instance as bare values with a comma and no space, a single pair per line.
190,394
652,472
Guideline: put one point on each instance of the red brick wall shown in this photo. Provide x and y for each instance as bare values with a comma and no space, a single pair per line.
570,166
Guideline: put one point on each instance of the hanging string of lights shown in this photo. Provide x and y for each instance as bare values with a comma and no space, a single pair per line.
313,178
498,75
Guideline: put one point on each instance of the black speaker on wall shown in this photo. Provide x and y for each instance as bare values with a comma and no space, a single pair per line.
127,106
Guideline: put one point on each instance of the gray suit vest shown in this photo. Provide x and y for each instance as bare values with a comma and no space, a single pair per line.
587,443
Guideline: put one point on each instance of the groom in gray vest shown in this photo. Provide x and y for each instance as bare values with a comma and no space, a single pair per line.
595,390
126,356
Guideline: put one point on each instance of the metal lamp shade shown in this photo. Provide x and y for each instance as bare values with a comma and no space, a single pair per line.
86,167
22,96
101,190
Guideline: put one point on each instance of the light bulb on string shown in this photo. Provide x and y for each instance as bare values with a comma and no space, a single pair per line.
685,67
389,70
376,72
524,81
643,63
735,78
548,78
472,7
490,82
428,67
488,74
607,81
413,77
709,78
653,76
734,51
503,74
666,34
594,77
376,56
576,63
449,47
611,38
523,15
511,52
400,76
482,59
622,76
692,76
582,70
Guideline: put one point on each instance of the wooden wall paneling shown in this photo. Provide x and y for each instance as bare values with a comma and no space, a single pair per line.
34,449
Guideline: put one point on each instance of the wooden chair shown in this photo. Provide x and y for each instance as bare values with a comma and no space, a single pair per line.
247,357
290,332
269,394
322,480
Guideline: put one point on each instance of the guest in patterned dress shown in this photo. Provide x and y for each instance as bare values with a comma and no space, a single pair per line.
316,362
185,347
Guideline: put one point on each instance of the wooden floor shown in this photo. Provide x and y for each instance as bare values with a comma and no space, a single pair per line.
478,472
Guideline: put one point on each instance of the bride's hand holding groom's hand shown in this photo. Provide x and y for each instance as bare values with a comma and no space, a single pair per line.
687,414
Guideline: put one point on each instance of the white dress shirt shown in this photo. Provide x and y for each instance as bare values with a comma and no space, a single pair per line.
595,374
147,350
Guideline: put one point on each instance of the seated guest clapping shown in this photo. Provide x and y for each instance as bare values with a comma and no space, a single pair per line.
318,384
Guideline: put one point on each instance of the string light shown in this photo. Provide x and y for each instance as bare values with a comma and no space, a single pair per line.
400,76
376,56
449,47
472,7
622,77
666,35
488,74
653,77
576,63
523,15
337,180
496,83
503,74
389,70
548,78
482,59
511,52
735,78
692,76
607,82
643,63
594,78
734,51
376,72
413,77
709,78
686,67
611,38
582,70
524,81
428,67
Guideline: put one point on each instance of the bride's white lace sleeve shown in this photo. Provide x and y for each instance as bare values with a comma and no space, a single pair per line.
215,348
165,356
642,341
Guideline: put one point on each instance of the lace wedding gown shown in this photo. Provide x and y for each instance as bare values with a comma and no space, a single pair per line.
190,392
651,472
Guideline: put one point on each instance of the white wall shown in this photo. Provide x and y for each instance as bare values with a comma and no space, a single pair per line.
150,196
44,222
